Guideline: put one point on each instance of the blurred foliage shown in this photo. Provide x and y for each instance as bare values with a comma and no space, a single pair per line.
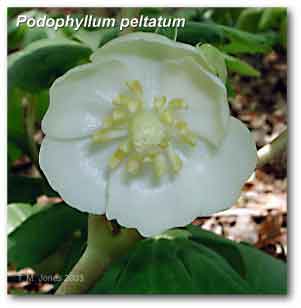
51,238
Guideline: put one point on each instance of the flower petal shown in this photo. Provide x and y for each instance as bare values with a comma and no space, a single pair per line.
76,169
208,182
82,97
148,45
223,173
208,110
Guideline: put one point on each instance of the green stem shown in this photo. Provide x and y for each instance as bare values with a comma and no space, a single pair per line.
103,247
273,150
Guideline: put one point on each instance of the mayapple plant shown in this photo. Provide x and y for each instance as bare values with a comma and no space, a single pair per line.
143,135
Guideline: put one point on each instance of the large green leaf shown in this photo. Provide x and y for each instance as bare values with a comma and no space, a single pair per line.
250,262
266,274
171,266
40,63
43,233
27,189
220,245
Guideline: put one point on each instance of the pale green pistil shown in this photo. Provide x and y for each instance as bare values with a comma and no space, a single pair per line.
147,133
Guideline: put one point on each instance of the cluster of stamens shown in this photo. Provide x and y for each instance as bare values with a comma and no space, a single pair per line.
145,135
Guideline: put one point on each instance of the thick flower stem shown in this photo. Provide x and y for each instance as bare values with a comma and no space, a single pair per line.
103,247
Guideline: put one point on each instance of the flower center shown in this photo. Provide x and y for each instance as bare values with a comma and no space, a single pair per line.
146,136
147,133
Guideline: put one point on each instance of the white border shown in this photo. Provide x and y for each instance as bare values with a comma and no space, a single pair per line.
294,164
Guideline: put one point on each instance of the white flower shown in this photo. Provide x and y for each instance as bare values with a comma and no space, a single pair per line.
143,135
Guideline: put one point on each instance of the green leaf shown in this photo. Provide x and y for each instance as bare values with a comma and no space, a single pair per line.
64,258
197,32
264,273
220,245
271,17
13,152
97,38
215,60
21,36
193,33
42,234
15,120
245,42
239,66
177,266
189,13
283,32
17,213
225,16
248,19
251,263
220,62
40,63
27,189
16,116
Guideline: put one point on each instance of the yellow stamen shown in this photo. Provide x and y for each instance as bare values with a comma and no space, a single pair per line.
106,135
175,160
124,147
134,105
135,86
133,165
177,103
159,102
166,117
116,158
186,135
121,100
160,165
118,114
190,138
107,122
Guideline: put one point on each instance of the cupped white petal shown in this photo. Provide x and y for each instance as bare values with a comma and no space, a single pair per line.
77,170
81,98
223,172
148,45
208,182
206,96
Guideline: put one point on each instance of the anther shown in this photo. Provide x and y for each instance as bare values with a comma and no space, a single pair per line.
135,86
177,103
175,160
